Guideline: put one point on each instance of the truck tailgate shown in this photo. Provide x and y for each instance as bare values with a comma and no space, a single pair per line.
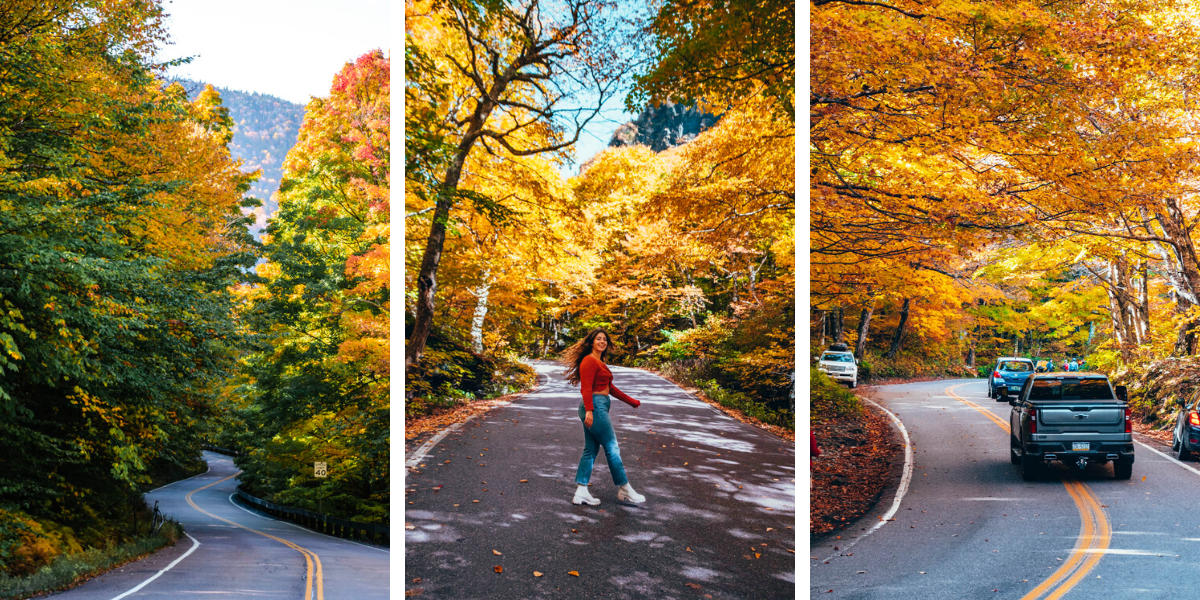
1080,418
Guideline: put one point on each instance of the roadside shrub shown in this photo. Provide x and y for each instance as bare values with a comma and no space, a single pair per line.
65,569
748,407
450,373
828,399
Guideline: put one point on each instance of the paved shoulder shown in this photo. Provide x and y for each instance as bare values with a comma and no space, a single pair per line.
239,553
718,517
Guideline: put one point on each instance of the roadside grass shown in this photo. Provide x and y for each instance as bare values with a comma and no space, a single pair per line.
68,570
830,400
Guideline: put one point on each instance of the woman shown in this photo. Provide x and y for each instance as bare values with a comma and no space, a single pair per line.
586,368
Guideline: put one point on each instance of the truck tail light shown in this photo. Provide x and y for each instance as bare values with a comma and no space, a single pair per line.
1129,421
1194,419
1033,420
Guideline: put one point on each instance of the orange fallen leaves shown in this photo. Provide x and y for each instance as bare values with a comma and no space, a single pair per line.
537,574
575,573
498,569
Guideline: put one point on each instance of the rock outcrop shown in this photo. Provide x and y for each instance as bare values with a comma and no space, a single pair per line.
662,127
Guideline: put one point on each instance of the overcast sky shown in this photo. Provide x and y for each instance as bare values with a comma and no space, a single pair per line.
285,48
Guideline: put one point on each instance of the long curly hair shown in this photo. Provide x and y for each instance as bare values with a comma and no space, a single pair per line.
572,357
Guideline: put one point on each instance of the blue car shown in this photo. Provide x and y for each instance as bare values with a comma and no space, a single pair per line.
1009,371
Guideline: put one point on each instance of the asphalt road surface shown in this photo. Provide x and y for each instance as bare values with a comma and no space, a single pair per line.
718,520
969,527
241,554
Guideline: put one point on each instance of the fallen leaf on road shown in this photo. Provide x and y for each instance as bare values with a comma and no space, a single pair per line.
414,592
409,526
770,529
416,580
497,553
498,569
1143,477
757,555
575,573
688,549
537,573
523,481
475,501
574,531
790,550
685,464
694,586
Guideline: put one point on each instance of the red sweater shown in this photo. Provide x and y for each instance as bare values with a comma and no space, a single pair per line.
595,376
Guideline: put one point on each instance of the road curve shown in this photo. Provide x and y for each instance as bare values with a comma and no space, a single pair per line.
969,527
241,554
717,521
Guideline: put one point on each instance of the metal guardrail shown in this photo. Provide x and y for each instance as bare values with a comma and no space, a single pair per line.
343,528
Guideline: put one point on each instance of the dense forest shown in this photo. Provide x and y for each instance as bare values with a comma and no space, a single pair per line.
264,129
1008,180
314,384
134,326
684,253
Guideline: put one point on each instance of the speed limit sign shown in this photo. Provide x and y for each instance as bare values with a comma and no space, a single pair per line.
319,469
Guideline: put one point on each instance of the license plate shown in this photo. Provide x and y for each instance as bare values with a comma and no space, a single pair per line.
1084,446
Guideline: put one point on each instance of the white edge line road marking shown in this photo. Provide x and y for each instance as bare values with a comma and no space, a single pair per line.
305,528
1172,459
900,491
420,453
195,544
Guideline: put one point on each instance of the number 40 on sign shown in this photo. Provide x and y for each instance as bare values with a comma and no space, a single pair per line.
319,469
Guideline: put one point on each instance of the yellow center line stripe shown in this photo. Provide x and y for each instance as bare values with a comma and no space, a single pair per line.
1100,545
1086,533
1094,527
310,557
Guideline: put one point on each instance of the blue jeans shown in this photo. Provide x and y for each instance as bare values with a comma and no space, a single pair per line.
601,435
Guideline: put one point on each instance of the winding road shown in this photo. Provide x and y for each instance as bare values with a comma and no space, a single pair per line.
718,521
232,552
969,527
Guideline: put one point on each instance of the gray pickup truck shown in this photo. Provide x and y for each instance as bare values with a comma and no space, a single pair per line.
1076,418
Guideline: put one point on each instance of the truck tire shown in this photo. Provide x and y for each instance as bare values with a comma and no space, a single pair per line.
1122,469
854,383
1030,468
1012,451
1182,453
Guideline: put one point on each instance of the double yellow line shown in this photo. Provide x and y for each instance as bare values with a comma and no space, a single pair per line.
310,557
1095,533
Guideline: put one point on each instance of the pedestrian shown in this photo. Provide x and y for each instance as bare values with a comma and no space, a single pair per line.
813,449
1050,365
1074,365
585,367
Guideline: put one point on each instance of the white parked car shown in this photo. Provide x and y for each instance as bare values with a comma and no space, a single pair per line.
840,366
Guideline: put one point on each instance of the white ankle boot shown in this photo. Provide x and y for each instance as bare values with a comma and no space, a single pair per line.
583,496
626,492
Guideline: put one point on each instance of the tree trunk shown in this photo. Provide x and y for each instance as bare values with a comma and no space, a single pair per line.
971,357
900,328
864,328
427,277
839,325
823,327
481,308
1174,224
